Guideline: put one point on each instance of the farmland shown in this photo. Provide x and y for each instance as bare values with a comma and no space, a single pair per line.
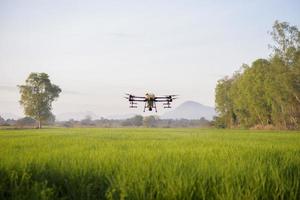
93,163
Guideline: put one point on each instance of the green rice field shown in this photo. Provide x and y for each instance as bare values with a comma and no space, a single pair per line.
138,163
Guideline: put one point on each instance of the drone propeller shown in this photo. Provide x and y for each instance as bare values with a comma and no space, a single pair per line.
171,95
132,106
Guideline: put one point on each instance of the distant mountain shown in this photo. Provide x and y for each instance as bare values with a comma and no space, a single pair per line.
75,116
190,110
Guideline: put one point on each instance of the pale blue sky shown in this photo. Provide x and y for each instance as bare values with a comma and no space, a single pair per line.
98,50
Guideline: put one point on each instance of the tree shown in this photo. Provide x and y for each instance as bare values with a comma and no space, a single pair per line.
285,92
267,92
286,39
218,122
2,121
224,101
150,121
252,89
26,121
87,121
137,120
37,96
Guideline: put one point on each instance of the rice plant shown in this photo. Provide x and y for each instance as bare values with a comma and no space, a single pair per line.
147,164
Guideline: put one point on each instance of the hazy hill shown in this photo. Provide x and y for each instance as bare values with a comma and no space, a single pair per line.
190,110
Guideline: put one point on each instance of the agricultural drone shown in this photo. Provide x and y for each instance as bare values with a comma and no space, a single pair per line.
150,100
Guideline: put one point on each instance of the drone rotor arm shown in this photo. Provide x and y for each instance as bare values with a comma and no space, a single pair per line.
163,100
137,100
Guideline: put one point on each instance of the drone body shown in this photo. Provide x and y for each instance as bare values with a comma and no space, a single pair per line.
150,101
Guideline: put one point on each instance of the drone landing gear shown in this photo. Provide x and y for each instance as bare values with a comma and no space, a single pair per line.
167,105
150,107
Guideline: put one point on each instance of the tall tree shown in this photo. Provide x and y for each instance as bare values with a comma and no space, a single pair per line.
37,96
251,94
286,71
267,92
286,40
224,101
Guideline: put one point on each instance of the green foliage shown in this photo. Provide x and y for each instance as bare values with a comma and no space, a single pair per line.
149,164
150,121
224,101
37,96
287,40
26,121
267,92
219,122
137,120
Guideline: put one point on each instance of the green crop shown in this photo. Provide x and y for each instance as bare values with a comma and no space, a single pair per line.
149,164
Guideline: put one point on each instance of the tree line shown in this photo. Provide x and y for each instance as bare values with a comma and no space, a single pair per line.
266,93
151,121
136,121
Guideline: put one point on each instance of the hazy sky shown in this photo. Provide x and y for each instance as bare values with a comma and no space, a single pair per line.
98,50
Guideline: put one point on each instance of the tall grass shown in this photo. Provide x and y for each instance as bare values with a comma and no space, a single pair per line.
149,164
